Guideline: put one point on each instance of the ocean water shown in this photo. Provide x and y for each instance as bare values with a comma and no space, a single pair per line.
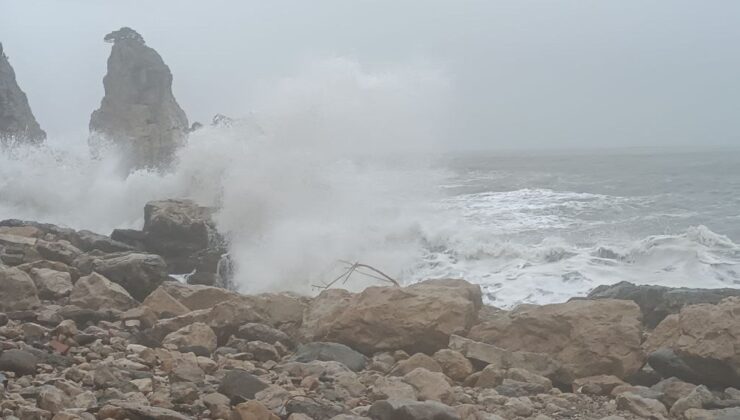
544,227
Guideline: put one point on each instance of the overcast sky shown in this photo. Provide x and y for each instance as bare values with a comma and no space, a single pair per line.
556,74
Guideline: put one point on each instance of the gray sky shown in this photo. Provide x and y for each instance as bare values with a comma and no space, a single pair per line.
555,74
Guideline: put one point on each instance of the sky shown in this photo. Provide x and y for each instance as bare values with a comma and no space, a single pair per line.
521,73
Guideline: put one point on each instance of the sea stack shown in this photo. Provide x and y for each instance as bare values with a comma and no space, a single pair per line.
17,123
138,114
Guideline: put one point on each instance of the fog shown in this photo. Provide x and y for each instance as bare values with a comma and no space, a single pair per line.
523,74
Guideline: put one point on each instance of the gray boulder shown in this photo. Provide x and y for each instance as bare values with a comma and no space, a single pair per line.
330,352
240,386
411,410
19,362
138,273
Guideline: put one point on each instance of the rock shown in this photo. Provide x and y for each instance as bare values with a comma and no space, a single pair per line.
196,297
499,358
664,335
723,414
17,290
643,407
392,387
89,241
429,385
456,366
418,360
138,113
673,389
490,377
20,362
62,251
411,410
697,398
164,305
253,410
52,400
140,274
121,410
261,332
330,352
17,123
588,337
597,385
194,335
657,302
178,230
417,318
218,404
98,293
240,386
51,284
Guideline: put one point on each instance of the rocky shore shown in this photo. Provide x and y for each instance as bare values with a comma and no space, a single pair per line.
94,327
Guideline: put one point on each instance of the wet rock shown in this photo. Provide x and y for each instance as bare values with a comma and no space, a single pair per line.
417,318
588,337
330,352
138,113
657,302
17,290
17,123
240,386
20,362
98,293
411,410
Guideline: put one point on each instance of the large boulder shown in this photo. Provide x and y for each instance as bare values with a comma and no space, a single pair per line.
490,355
52,284
17,290
139,113
194,335
657,302
417,318
707,345
17,123
330,352
98,293
411,410
140,274
588,337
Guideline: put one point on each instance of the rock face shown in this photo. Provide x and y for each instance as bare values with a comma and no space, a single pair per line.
657,302
588,337
706,346
17,123
418,318
139,113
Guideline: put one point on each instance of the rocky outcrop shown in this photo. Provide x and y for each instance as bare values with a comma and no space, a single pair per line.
588,337
17,123
657,302
139,113
705,345
418,318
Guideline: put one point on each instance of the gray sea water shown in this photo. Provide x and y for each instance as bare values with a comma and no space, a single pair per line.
550,226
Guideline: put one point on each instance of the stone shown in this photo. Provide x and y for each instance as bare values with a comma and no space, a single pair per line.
588,337
597,385
240,386
17,290
697,398
218,404
392,387
140,274
330,352
197,297
98,293
657,302
395,409
429,385
260,332
17,123
138,113
490,377
52,400
62,251
643,407
52,284
722,414
253,410
454,364
164,305
196,334
418,360
673,389
539,363
121,410
20,362
417,318
665,335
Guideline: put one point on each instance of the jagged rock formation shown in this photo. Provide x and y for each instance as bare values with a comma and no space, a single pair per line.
139,113
17,123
